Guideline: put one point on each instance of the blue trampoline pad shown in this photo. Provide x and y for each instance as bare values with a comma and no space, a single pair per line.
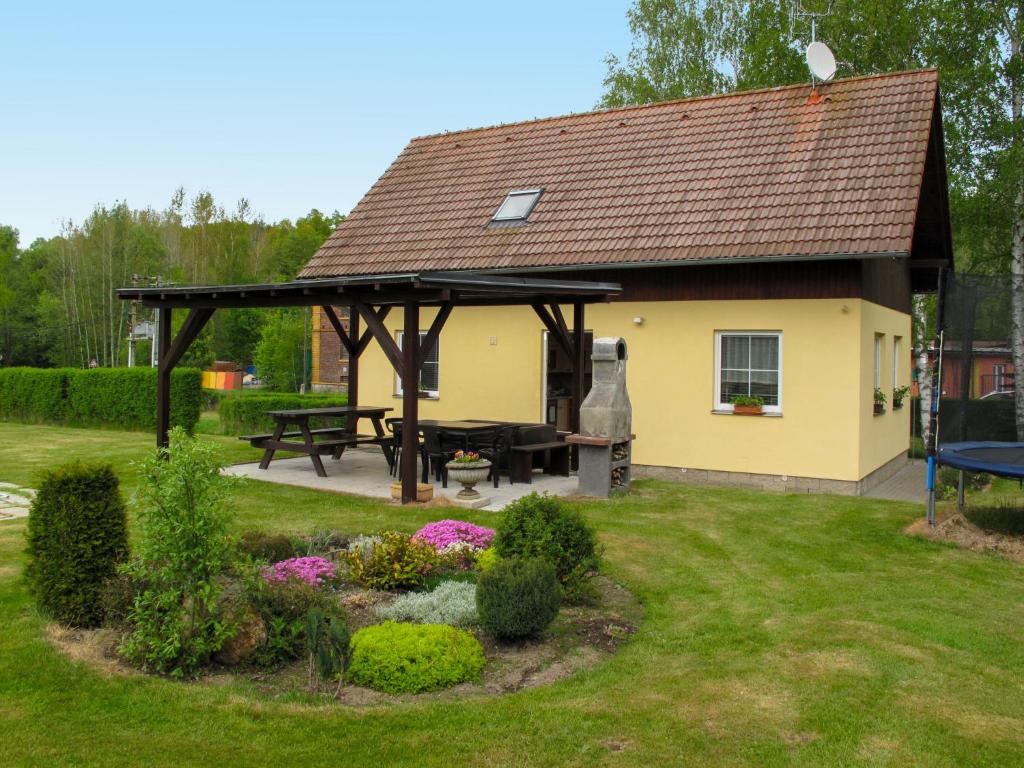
1003,459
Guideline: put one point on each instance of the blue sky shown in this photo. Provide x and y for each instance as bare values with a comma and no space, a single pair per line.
291,105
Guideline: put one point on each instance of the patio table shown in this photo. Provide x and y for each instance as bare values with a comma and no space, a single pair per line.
336,438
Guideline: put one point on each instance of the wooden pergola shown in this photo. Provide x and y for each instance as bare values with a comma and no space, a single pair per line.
371,298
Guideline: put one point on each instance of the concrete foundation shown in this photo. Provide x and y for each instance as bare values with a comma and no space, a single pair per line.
782,483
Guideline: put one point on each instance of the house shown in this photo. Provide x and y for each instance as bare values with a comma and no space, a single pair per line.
991,368
767,243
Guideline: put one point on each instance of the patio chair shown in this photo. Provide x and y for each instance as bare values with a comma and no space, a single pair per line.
496,447
439,449
394,426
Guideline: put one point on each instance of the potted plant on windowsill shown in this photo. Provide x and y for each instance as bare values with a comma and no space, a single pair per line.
879,402
898,396
747,405
467,468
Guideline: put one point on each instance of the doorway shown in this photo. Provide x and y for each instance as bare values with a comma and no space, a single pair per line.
556,399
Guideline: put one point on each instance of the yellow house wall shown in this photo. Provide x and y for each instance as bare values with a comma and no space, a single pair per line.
491,367
885,436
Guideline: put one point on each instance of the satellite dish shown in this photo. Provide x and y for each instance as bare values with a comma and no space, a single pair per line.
821,61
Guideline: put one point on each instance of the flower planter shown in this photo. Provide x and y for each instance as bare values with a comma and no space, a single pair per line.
424,491
747,410
879,409
468,473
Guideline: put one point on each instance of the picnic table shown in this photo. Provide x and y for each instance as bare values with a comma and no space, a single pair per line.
333,440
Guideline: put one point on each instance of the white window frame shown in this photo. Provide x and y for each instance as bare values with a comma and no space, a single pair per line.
433,393
879,341
897,353
998,377
728,407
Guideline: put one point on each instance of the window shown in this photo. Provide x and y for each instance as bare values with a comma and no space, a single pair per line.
897,361
878,359
748,363
999,377
429,369
517,205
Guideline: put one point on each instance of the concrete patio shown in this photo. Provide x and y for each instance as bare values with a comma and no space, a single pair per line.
363,471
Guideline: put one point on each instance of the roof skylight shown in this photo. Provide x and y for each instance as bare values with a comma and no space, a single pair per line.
517,205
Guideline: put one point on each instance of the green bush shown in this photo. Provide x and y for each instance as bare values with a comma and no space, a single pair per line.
451,602
486,560
411,658
949,479
516,598
269,547
184,553
327,640
123,398
543,526
77,536
284,607
391,561
246,413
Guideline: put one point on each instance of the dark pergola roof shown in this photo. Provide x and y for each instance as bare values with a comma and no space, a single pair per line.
423,288
371,298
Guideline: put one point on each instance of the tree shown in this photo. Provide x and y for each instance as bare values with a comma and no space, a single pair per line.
280,354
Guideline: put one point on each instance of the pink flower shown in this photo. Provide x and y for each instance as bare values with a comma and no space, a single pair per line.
312,570
444,533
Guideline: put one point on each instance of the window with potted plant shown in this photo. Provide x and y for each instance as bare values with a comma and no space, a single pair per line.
879,402
898,396
747,405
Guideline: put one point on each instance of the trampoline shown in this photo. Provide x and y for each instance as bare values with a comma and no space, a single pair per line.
969,430
1002,459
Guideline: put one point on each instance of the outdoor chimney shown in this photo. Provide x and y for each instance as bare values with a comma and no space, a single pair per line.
606,419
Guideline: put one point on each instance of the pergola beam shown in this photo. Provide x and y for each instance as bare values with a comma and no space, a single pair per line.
410,401
375,323
430,340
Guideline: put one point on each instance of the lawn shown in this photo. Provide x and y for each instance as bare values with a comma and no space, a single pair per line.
779,630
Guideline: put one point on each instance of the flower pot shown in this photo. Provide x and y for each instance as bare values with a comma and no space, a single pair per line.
747,410
879,409
468,473
424,491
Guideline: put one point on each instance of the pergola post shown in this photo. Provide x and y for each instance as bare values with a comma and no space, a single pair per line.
410,400
579,364
163,377
353,357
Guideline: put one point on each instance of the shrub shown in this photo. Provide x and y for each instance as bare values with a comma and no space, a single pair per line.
117,596
123,398
77,536
396,561
327,641
246,412
269,547
518,598
411,658
452,602
949,478
285,607
542,526
444,533
315,571
486,560
185,550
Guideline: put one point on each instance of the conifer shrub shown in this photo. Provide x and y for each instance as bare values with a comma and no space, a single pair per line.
412,658
77,537
518,599
545,527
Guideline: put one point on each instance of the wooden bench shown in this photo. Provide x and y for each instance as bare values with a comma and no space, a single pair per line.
522,460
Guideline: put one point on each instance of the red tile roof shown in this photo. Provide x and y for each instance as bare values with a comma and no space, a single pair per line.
747,175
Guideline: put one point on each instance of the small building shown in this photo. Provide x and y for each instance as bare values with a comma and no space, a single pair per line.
767,243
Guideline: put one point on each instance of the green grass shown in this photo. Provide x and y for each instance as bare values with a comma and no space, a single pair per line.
780,630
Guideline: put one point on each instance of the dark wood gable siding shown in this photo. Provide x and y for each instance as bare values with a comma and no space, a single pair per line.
885,281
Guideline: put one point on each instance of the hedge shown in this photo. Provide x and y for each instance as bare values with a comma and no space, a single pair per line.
246,412
123,398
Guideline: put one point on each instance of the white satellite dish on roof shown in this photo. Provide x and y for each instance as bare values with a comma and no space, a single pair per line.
821,61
